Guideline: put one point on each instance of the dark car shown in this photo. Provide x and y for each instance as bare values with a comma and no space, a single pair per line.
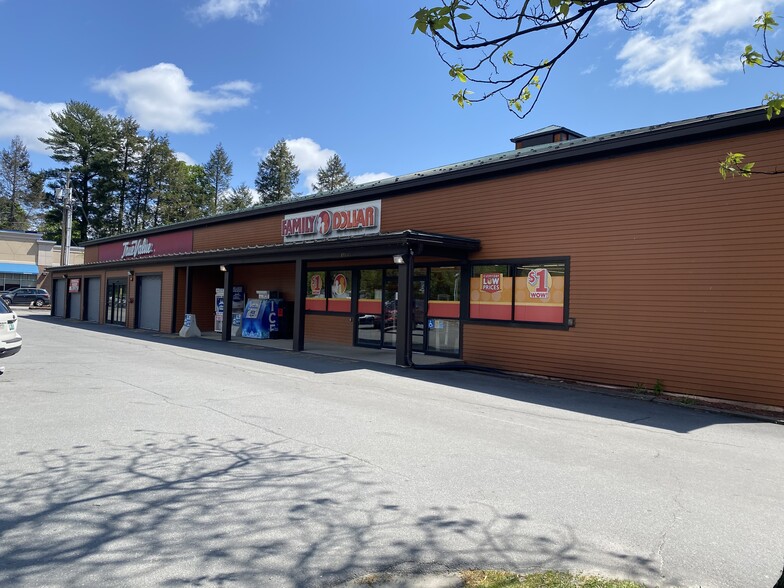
26,296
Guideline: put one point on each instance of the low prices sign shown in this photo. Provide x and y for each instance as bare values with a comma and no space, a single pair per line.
491,283
353,220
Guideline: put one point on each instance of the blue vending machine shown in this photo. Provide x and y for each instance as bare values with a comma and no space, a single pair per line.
260,318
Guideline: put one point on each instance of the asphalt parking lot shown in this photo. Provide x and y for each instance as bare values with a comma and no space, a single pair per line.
134,459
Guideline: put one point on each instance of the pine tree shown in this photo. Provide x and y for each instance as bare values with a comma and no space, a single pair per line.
332,177
16,181
277,175
86,140
219,170
238,198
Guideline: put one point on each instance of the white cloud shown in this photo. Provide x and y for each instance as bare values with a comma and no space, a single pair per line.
29,120
249,10
160,97
370,177
309,157
181,156
689,46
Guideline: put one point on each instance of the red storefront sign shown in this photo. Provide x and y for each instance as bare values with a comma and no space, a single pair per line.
141,247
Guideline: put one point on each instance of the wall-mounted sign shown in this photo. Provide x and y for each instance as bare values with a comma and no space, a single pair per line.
492,282
316,284
141,247
74,285
353,219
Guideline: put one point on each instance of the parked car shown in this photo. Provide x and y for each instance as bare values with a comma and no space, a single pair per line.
26,296
10,339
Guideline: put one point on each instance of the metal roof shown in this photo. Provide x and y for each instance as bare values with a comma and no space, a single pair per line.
509,161
420,242
545,131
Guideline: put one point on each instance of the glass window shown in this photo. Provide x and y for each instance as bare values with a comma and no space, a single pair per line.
369,318
340,291
491,292
540,292
316,298
444,292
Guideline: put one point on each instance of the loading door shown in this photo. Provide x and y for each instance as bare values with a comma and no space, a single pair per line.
149,303
92,290
59,299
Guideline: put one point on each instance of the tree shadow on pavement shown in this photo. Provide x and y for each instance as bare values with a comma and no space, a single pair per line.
178,510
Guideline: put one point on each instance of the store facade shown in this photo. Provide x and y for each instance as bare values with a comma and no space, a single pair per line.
622,259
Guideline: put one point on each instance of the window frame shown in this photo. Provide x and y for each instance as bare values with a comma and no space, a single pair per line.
512,264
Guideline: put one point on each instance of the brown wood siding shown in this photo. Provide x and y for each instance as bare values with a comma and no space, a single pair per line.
205,280
676,275
272,276
179,313
259,231
329,328
91,254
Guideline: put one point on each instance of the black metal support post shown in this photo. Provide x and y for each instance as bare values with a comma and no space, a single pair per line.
228,284
300,274
405,274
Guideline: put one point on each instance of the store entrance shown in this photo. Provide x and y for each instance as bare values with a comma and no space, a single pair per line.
377,322
116,301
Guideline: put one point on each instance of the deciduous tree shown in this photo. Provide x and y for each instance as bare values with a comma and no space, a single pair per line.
509,48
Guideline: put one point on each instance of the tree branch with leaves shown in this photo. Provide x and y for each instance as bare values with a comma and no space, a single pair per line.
498,46
767,58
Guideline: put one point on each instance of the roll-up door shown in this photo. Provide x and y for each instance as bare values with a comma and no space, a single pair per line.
149,303
92,290
59,298
75,305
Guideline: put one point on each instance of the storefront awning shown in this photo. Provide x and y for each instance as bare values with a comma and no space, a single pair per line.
18,268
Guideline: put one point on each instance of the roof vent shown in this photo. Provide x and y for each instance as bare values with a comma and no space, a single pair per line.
551,134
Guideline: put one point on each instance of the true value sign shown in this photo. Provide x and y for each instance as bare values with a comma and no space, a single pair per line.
142,247
339,221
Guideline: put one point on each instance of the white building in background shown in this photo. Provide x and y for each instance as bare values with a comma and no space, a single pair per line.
24,255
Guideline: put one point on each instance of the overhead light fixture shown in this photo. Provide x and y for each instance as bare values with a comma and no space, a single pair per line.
399,259
223,268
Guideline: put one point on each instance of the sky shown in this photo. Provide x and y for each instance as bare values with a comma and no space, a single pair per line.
348,77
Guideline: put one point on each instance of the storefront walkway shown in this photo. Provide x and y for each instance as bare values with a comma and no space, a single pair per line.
382,356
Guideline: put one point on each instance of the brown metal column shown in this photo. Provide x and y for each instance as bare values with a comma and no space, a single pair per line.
300,274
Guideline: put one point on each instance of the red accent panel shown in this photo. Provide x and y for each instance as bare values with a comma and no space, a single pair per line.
539,314
498,312
315,304
339,305
369,307
163,244
443,309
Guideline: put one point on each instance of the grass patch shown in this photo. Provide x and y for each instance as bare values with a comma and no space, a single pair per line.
495,579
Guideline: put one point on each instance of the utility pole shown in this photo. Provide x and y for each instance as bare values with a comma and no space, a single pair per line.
66,195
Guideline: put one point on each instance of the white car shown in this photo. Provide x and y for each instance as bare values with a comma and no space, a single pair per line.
10,339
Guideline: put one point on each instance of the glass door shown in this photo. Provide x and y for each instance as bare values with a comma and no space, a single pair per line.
116,301
418,322
389,336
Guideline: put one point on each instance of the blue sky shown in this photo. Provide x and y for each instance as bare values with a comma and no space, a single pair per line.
347,77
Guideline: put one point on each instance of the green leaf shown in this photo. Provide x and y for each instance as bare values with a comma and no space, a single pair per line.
456,71
508,57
